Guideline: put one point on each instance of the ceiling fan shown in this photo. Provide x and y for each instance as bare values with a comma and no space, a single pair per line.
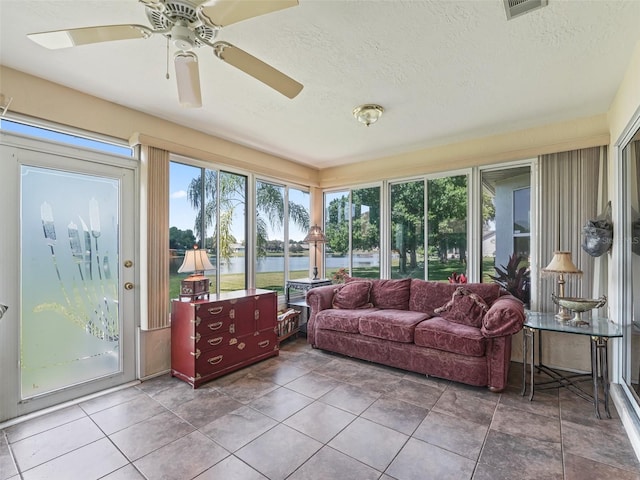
188,24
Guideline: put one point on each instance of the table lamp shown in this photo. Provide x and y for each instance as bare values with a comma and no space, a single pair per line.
315,236
195,285
562,265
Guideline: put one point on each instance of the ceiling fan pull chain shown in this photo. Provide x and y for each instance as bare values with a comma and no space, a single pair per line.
167,76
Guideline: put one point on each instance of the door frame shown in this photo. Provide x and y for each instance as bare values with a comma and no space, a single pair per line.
15,150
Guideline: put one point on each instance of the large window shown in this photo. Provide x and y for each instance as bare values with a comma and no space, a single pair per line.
352,229
631,273
407,229
445,228
78,140
336,228
423,231
506,218
447,207
282,222
299,218
208,208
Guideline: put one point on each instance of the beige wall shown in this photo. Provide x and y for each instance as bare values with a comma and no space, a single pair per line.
627,99
39,98
560,137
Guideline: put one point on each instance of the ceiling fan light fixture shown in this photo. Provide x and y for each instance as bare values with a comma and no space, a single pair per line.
188,79
368,113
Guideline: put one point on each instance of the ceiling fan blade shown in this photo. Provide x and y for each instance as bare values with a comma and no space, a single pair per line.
226,12
188,79
87,35
257,69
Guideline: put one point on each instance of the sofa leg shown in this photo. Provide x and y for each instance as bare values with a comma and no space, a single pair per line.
496,389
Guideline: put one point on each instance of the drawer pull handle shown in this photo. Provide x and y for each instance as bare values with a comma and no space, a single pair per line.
215,326
215,310
215,360
263,344
215,341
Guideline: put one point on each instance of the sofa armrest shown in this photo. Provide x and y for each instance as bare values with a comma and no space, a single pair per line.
318,299
504,317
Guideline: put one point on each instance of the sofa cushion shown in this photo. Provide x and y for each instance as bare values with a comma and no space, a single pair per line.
426,296
452,337
394,325
340,320
392,294
465,307
352,295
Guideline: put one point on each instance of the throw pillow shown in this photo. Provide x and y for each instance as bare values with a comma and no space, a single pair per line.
465,307
352,295
391,294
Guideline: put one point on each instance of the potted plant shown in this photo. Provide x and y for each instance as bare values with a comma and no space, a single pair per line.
514,278
340,275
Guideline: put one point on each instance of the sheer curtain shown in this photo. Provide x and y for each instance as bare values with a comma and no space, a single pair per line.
573,189
155,171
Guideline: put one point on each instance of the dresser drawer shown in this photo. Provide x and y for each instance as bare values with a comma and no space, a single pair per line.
240,350
220,315
214,340
214,326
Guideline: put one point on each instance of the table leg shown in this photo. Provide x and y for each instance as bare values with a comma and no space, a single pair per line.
529,335
595,374
604,370
533,360
524,361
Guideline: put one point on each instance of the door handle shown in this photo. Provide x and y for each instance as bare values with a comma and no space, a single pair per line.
128,286
3,308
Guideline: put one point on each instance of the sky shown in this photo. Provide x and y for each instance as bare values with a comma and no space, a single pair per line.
39,132
182,214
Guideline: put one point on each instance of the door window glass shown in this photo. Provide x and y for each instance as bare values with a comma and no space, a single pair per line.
70,326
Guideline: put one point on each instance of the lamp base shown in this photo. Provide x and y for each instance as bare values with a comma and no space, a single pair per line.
315,273
563,314
194,287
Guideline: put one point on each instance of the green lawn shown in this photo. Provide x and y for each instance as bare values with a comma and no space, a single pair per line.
274,280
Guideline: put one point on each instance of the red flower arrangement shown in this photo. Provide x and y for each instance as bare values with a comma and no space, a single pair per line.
458,278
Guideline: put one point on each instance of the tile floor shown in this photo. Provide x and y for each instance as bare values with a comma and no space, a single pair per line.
308,415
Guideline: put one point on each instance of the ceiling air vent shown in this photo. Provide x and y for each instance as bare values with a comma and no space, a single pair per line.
515,8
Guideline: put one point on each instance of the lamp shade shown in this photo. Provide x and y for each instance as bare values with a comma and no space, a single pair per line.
315,235
561,263
195,261
188,79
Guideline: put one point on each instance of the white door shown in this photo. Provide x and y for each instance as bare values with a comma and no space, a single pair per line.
67,274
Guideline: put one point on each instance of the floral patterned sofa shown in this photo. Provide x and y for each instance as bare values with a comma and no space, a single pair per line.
459,332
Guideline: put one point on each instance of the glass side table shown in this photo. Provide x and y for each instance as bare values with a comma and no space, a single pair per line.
600,330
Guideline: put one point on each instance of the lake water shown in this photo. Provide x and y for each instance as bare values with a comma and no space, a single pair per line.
275,264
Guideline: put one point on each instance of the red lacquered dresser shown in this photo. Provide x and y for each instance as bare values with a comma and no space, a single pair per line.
210,338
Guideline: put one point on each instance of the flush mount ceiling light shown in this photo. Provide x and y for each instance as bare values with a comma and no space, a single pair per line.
368,114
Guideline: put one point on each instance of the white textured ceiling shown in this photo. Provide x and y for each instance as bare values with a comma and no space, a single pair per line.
444,70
